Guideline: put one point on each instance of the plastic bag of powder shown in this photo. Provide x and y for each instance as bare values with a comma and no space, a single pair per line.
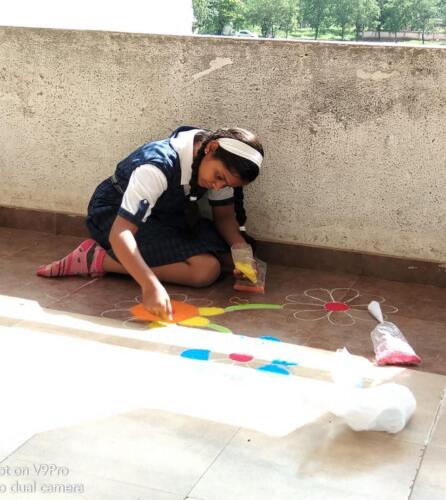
387,407
389,343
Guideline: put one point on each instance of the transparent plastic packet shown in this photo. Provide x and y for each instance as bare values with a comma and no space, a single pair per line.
244,261
389,343
386,407
251,271
243,284
391,347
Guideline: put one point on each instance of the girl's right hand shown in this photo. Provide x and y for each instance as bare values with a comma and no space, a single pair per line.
156,300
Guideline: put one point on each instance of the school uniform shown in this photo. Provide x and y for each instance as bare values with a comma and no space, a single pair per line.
150,189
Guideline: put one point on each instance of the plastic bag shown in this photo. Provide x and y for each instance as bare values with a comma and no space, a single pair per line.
389,343
387,407
253,270
244,261
243,284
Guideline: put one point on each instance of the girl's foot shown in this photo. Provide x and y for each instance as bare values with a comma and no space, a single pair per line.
86,259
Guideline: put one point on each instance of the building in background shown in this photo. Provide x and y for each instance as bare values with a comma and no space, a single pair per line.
135,16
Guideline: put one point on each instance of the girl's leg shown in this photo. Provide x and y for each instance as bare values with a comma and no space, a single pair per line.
89,258
197,271
86,259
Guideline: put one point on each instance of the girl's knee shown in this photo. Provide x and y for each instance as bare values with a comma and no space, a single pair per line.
205,270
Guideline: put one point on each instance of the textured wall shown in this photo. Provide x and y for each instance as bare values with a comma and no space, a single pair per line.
355,136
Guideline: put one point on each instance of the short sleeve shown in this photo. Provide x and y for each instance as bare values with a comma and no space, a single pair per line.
224,196
147,183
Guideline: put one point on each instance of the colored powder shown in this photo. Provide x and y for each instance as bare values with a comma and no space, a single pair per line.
198,354
274,369
247,270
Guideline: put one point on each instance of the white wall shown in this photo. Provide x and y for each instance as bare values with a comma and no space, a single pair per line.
354,135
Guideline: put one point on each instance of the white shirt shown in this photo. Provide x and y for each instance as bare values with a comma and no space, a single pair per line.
148,182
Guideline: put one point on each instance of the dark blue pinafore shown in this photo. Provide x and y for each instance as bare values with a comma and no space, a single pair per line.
163,238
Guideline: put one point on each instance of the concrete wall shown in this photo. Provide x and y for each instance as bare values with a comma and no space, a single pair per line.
354,134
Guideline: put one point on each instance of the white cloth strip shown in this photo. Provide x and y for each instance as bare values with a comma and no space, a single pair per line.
241,149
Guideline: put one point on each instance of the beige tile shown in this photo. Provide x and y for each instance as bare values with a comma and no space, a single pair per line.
431,480
148,448
33,480
439,434
8,321
428,391
320,461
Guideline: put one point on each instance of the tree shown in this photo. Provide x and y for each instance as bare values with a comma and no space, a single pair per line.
397,15
289,16
202,15
213,15
442,10
381,18
315,13
270,14
342,13
366,14
423,14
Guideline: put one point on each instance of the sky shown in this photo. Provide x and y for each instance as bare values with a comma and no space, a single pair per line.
137,16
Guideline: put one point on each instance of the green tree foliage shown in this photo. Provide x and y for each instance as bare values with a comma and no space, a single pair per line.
202,15
423,14
342,14
289,16
270,15
213,15
315,13
442,10
366,14
397,15
358,13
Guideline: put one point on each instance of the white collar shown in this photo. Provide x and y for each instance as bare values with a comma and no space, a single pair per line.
183,144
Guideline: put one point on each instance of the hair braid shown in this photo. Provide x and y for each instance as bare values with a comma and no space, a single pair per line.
192,212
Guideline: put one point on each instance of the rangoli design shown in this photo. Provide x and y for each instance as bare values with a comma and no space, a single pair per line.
340,306
280,367
187,312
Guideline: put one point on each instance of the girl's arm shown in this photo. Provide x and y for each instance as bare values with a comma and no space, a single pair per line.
122,240
227,225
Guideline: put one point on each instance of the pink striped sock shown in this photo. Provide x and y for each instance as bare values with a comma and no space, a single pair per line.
86,259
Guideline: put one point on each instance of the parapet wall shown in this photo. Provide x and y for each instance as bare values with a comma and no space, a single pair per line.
354,134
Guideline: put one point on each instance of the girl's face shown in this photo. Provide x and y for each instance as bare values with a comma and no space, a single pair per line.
213,173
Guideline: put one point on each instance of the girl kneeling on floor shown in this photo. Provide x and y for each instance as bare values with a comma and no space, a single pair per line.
144,220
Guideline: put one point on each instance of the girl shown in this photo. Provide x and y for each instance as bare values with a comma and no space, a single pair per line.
144,220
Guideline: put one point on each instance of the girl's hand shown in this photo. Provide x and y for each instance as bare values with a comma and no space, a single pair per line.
156,300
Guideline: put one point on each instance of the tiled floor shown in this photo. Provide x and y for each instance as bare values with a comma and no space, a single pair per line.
162,454
421,309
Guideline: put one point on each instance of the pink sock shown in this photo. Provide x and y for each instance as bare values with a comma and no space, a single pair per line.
86,259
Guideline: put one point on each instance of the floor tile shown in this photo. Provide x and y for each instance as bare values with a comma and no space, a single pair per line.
34,480
428,389
7,321
99,295
164,454
439,433
431,480
322,460
425,302
14,240
19,277
147,448
427,338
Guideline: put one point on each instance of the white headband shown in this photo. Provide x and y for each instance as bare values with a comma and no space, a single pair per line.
242,149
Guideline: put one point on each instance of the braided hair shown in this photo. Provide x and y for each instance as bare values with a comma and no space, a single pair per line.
242,167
